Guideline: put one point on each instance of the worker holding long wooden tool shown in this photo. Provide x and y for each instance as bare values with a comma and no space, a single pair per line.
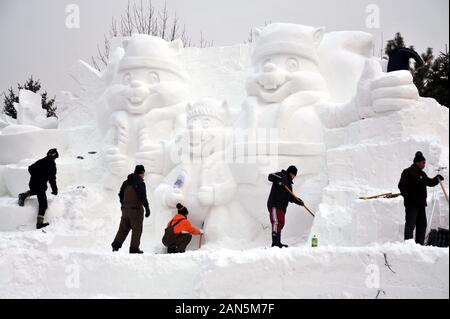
413,186
280,196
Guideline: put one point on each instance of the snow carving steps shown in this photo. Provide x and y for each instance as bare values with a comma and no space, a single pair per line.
324,272
15,218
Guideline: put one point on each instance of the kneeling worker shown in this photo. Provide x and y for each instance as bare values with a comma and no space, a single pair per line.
181,232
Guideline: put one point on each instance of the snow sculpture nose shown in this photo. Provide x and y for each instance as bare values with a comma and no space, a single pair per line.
135,84
269,67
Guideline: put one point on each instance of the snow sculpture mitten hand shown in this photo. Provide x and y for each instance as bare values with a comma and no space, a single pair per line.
152,157
206,196
393,91
172,198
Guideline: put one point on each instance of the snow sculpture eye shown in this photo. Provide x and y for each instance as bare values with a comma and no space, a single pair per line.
126,79
206,123
292,64
153,77
267,61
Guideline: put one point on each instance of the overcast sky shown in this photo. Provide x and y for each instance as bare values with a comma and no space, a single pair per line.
35,40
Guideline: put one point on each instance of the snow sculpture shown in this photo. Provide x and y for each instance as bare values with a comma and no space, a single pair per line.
288,91
202,181
29,113
145,102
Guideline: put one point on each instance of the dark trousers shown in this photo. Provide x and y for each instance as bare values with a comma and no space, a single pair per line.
181,241
42,200
416,218
132,219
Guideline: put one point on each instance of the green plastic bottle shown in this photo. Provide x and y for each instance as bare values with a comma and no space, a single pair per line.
314,241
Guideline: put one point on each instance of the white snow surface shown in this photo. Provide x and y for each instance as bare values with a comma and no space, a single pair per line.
350,129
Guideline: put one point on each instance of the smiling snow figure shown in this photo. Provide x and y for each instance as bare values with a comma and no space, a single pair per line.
288,90
147,100
202,181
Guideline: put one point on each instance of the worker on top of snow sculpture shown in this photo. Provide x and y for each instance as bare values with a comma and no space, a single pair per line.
288,91
179,232
400,57
413,186
133,199
279,200
42,172
146,101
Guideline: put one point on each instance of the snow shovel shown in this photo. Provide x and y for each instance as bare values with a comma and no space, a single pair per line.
309,211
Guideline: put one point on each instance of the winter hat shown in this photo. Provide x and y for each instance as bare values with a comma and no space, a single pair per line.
286,38
182,210
208,107
419,157
53,153
139,169
142,50
292,170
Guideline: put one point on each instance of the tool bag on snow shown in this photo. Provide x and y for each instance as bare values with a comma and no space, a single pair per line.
438,238
168,239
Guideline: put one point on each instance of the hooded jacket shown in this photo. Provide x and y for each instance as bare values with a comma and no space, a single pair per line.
413,186
279,197
133,193
43,171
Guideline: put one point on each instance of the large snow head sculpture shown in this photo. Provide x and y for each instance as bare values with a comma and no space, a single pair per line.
285,61
148,76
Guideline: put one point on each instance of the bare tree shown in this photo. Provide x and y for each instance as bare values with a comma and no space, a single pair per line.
145,19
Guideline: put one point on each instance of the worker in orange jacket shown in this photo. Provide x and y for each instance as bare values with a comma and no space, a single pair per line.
182,231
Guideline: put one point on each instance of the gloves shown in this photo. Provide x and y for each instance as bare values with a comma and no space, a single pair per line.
202,231
440,177
300,202
55,192
147,212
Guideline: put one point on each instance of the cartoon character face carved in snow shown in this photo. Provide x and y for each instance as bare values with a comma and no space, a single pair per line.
146,98
206,122
285,63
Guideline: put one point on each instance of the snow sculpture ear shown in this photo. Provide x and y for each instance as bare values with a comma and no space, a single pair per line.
176,46
257,32
227,111
188,107
318,35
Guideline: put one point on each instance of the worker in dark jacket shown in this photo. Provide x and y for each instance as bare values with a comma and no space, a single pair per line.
413,186
279,200
42,172
399,59
133,200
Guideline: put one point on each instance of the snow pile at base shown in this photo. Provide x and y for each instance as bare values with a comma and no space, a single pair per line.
35,267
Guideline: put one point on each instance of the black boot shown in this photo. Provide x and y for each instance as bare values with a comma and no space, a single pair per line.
135,251
276,240
40,222
171,250
281,244
22,198
116,246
